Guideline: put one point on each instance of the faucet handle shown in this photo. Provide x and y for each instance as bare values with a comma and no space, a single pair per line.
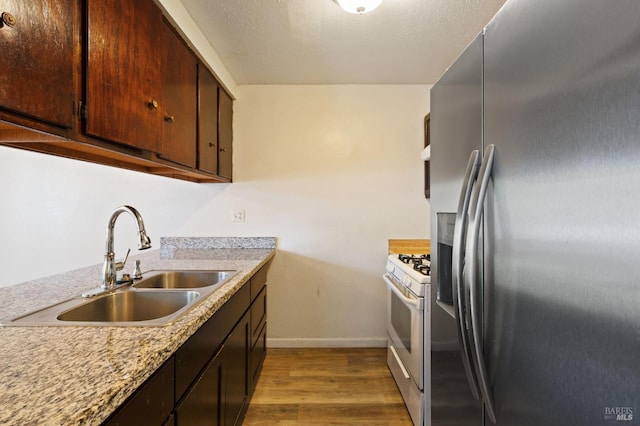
120,265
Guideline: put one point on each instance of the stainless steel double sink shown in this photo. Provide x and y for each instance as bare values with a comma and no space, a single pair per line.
159,298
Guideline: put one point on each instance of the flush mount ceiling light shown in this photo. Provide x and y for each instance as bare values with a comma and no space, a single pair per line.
358,6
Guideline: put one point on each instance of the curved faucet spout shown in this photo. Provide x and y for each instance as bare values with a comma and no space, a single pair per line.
110,267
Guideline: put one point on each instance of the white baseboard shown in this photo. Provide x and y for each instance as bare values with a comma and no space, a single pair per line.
346,342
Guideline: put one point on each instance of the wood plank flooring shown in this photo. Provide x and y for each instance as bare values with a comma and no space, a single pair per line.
344,386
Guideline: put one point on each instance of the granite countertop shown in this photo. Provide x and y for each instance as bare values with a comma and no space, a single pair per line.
80,375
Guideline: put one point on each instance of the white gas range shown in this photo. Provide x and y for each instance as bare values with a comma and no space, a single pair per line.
408,282
412,270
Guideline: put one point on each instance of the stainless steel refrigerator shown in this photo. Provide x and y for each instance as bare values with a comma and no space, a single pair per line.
535,208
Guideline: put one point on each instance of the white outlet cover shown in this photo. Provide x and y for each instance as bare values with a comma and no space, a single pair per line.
237,215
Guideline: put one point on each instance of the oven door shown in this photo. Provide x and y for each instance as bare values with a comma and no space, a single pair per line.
405,322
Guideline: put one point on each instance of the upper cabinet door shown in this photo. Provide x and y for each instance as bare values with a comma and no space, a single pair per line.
207,121
36,76
124,66
180,100
225,134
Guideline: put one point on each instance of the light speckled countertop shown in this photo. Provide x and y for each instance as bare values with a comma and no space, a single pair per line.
80,375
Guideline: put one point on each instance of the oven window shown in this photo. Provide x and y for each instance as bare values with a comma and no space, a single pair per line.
401,321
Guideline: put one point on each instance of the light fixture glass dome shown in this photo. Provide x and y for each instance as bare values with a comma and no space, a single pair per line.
358,6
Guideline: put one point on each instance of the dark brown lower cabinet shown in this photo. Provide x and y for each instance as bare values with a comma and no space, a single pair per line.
220,394
152,404
235,373
258,336
201,406
211,377
257,355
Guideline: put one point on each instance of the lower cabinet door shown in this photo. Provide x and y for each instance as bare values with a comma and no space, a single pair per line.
202,404
236,372
258,353
220,395
151,404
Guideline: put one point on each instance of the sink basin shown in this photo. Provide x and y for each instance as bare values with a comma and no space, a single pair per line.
158,299
183,279
130,306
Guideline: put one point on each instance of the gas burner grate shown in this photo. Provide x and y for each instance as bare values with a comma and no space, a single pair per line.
421,262
408,258
423,269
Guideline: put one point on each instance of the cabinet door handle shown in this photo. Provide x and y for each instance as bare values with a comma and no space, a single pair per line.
8,19
169,118
211,144
153,104
223,149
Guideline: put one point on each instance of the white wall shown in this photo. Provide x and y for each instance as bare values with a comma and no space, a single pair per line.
332,171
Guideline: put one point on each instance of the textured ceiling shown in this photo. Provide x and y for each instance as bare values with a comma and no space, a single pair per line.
316,42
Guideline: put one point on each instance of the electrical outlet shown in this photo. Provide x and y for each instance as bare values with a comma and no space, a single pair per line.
237,215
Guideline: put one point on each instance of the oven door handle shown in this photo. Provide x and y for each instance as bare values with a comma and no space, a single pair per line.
417,302
457,265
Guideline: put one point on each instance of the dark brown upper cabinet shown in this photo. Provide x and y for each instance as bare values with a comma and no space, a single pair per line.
215,127
179,93
37,72
123,74
427,164
112,83
225,134
207,121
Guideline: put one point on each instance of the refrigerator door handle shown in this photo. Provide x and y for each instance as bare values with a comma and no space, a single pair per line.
457,262
475,297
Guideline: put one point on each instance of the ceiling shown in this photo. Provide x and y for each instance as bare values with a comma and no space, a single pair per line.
316,42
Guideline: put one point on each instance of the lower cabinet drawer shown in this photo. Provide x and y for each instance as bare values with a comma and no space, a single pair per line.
258,281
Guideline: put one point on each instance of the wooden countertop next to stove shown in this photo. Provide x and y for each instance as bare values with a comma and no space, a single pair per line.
409,246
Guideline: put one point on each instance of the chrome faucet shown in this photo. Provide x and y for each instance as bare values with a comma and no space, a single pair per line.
110,266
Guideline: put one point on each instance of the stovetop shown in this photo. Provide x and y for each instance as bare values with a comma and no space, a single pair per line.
412,271
420,262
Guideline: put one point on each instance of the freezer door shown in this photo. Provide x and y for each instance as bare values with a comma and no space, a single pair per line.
456,126
456,131
562,220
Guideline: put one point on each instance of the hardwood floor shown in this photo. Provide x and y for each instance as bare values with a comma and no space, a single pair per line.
344,386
